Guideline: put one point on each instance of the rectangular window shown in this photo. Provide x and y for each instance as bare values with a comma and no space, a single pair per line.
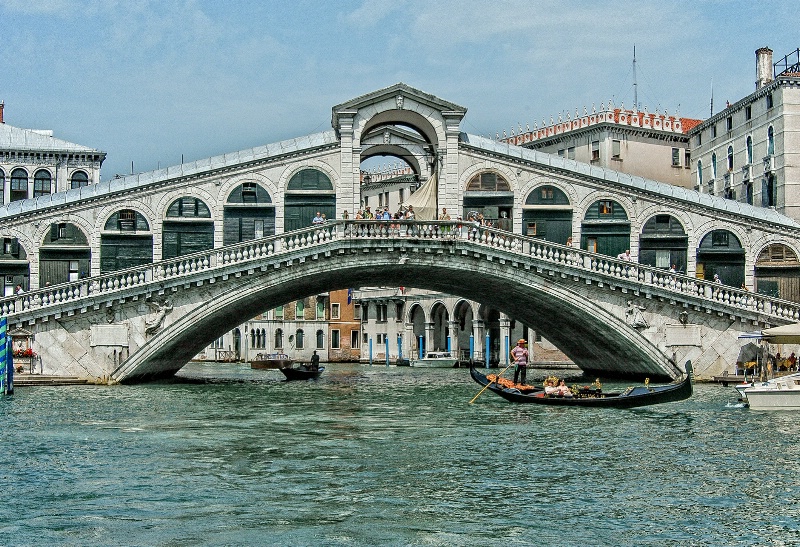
748,112
591,244
699,139
531,229
676,157
547,194
335,339
719,238
366,338
713,131
379,338
605,207
561,152
616,149
662,258
74,270
398,311
571,152
769,101
687,159
380,199
354,340
595,150
729,123
401,194
258,227
662,222
335,311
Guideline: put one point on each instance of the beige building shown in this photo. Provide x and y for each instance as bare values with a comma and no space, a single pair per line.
647,144
750,151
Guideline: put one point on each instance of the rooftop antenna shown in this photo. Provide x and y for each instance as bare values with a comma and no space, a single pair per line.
712,96
635,88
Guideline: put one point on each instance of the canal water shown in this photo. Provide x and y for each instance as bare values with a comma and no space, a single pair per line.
375,455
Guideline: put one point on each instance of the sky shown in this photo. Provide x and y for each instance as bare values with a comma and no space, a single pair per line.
154,82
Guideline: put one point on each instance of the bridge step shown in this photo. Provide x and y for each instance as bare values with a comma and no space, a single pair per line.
23,380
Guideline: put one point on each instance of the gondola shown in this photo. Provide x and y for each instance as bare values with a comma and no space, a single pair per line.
301,372
631,397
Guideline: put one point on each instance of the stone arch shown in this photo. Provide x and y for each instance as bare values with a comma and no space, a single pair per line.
65,253
717,254
185,235
554,224
246,215
612,237
663,241
440,317
491,204
386,114
228,185
776,270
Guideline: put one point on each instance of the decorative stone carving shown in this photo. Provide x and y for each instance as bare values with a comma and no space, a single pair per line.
399,101
634,317
160,310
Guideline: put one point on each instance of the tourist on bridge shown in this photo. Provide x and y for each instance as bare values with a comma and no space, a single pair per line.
626,256
520,356
318,219
717,279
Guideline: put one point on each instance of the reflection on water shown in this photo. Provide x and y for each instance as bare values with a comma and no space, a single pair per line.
376,456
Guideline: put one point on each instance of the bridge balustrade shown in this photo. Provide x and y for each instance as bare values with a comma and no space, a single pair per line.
408,231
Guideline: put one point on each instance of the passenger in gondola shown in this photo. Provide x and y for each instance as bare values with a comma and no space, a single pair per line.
563,389
550,387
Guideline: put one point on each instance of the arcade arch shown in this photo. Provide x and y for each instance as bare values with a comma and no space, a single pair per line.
663,243
308,191
126,241
248,214
720,252
64,255
188,228
605,228
488,193
777,272
547,214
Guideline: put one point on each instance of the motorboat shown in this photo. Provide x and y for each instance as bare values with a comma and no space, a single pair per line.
782,393
436,359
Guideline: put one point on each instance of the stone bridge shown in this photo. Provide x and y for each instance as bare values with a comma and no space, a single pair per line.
608,315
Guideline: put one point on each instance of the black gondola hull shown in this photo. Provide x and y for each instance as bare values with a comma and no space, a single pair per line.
639,396
301,373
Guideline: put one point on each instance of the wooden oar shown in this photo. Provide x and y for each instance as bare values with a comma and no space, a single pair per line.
490,383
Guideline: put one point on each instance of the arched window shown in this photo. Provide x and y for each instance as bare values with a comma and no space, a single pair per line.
188,207
278,338
770,141
263,339
299,339
248,214
78,179
488,182
299,310
41,183
714,165
730,158
19,185
749,149
320,339
699,173
127,220
253,338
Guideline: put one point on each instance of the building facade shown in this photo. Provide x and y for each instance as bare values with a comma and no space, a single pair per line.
750,153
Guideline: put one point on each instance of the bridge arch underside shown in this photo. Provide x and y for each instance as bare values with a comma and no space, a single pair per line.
597,340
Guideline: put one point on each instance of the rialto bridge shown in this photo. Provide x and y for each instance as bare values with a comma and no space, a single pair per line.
130,278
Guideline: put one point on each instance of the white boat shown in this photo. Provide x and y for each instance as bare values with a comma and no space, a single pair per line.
782,393
438,359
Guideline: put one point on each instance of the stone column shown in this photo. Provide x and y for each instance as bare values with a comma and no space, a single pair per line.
478,336
429,342
453,332
348,190
505,334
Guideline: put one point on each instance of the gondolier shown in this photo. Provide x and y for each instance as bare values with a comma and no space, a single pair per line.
520,356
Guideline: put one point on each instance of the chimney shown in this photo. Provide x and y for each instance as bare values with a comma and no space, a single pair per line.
763,67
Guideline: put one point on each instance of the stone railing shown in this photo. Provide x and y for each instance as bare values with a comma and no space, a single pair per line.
410,233
165,270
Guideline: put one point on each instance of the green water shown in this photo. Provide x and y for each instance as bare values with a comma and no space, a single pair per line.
386,456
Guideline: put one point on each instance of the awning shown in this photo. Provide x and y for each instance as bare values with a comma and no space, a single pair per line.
785,334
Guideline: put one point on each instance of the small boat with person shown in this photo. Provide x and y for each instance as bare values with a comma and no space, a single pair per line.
591,396
302,372
436,359
271,361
